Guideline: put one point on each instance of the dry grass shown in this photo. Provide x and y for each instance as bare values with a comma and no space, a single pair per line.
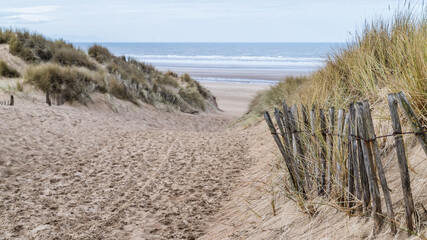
61,68
7,71
387,56
73,83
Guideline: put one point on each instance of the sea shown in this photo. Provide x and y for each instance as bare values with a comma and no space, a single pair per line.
259,63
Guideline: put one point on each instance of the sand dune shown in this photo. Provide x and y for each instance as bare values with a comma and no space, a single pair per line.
87,172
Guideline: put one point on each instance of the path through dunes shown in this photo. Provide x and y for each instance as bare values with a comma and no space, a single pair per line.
74,172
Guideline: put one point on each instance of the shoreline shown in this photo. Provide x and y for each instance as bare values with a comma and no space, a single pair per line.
234,98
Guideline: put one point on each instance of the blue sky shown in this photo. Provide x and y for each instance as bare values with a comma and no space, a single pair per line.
194,21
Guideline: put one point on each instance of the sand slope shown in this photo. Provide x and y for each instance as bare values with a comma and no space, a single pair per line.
76,172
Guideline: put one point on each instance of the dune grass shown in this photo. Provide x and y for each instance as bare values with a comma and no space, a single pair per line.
71,82
7,71
58,67
387,56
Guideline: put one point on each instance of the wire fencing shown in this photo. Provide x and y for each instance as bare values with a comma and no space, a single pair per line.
339,158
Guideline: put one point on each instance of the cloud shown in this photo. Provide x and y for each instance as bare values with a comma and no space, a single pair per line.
27,18
30,10
33,14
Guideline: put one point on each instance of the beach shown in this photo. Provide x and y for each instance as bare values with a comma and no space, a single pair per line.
76,171
234,98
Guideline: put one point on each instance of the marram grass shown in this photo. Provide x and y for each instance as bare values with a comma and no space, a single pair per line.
386,57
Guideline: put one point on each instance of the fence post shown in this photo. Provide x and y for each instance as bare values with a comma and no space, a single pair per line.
367,155
293,119
415,124
279,121
374,145
322,151
351,155
48,98
286,125
330,147
340,153
11,100
403,163
315,149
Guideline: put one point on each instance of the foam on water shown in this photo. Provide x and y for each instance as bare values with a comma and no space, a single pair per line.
228,62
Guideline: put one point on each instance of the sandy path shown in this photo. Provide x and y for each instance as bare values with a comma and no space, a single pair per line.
86,172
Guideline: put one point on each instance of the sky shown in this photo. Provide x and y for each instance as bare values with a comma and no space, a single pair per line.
194,21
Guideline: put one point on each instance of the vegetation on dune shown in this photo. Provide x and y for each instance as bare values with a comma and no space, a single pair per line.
34,48
387,56
58,67
7,71
72,83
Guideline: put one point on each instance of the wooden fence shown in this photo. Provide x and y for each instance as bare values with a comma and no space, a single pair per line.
350,171
8,103
54,98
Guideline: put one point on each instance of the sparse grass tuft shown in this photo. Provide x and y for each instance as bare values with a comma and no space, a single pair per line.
99,53
7,71
193,97
72,57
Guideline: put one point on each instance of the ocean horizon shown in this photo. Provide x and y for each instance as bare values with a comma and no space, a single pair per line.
233,62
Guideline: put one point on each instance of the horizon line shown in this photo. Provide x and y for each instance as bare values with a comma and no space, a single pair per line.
198,42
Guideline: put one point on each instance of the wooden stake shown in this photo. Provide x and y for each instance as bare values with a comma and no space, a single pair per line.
415,124
323,151
340,153
351,156
11,100
361,117
330,148
374,145
48,99
315,149
403,163
299,150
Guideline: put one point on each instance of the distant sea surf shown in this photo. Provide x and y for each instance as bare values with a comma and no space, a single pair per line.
262,63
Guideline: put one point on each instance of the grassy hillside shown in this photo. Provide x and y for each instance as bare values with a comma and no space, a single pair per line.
387,56
58,67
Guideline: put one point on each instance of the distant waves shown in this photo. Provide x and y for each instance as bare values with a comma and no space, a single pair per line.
263,63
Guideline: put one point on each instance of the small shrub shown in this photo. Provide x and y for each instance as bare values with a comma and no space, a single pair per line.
193,97
167,80
172,74
20,86
7,71
101,54
70,82
73,57
186,78
6,35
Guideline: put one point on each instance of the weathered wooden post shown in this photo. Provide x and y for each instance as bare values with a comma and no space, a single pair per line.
315,149
355,160
322,151
330,147
279,120
361,117
11,100
403,163
286,127
415,124
48,99
351,155
339,159
298,146
288,161
374,145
